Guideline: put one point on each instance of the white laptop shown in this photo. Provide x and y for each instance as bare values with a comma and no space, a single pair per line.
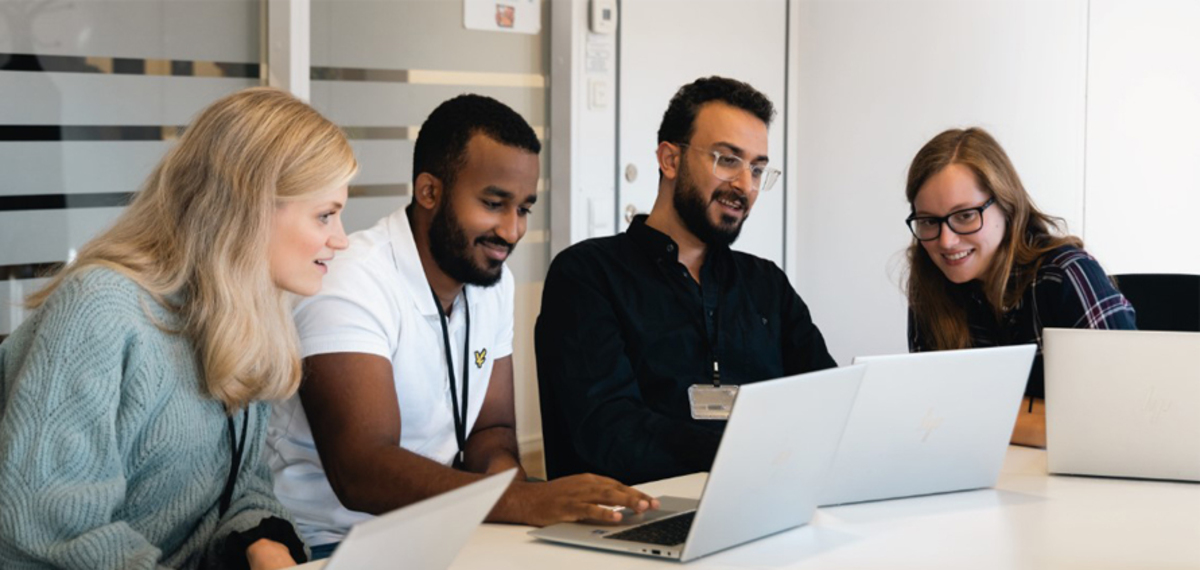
422,536
771,463
929,422
1123,403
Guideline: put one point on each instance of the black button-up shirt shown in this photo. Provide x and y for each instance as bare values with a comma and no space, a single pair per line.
624,331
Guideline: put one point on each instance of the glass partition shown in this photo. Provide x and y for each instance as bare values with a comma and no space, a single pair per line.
96,92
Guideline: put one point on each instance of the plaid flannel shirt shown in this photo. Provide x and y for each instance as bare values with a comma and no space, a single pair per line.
1070,290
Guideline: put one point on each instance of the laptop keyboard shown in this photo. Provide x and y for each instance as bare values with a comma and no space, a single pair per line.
666,532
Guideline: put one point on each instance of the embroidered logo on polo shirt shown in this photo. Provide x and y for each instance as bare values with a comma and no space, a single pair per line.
480,357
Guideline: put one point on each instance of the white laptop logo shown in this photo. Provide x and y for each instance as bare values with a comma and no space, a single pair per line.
1155,406
929,423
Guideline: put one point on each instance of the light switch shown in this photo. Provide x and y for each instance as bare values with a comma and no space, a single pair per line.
599,96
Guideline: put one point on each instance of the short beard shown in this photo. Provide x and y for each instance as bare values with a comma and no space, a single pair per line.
690,205
450,250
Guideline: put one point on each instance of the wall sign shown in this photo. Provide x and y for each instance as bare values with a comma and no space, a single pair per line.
512,16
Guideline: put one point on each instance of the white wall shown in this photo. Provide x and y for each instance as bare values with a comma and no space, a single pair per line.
1143,135
879,78
1097,103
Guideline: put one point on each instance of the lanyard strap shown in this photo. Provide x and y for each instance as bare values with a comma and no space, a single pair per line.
236,464
460,417
712,344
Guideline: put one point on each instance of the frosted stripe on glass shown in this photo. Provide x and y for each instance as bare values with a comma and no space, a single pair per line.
418,34
205,30
76,167
87,99
41,236
125,66
429,77
391,104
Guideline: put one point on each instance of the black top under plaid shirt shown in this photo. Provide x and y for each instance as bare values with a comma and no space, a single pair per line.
625,330
1070,291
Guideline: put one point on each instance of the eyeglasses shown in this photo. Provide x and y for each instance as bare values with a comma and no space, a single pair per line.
962,222
728,167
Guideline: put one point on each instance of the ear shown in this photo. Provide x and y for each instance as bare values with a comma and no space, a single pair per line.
668,159
427,191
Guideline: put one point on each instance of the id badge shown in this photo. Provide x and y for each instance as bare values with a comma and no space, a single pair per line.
711,402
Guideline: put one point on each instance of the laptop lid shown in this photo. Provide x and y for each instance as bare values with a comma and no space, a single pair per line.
929,422
773,458
1123,403
422,536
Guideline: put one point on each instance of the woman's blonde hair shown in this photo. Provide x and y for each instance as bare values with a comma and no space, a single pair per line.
940,316
196,236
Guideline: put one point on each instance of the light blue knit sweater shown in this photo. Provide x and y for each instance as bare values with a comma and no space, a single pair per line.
111,453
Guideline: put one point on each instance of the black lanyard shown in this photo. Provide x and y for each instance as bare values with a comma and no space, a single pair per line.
712,339
236,464
460,417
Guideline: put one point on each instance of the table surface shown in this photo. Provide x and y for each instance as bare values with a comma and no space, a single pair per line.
1030,520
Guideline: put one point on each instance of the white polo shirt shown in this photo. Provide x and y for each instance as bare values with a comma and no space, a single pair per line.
376,300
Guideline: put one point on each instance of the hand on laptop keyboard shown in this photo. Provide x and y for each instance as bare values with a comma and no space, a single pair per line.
573,498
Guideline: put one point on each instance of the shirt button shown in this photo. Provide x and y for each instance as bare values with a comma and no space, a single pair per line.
670,248
710,313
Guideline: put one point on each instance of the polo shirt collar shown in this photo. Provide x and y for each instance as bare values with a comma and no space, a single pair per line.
408,263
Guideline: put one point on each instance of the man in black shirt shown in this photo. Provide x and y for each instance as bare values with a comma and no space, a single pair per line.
630,322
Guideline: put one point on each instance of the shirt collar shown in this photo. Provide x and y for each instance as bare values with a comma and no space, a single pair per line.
659,245
654,242
408,262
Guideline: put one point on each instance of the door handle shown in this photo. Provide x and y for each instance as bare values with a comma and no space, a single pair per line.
630,212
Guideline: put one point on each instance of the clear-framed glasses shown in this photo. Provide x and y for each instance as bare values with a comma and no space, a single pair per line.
728,167
962,222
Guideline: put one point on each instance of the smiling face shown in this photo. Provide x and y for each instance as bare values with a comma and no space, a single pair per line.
305,234
962,258
481,219
712,209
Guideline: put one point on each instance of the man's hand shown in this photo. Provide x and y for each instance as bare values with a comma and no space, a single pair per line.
267,554
569,499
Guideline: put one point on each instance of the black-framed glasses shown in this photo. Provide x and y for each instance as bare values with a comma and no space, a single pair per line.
728,167
962,222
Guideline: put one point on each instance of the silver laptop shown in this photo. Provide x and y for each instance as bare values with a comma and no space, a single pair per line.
422,536
1123,403
771,463
930,422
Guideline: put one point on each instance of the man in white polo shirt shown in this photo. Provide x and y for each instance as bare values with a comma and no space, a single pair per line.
408,388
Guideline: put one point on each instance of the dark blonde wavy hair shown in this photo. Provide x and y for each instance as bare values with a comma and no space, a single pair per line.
198,234
1029,234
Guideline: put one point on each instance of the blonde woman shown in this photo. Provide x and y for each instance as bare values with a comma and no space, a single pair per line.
132,409
987,268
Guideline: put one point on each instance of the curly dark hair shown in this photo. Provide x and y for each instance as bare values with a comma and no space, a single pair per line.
679,122
441,147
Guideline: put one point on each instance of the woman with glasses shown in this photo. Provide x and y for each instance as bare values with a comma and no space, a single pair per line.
133,399
987,268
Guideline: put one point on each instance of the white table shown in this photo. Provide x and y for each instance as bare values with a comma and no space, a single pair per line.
1030,520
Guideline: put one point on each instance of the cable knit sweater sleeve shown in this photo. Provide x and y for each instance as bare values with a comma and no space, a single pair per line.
62,473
